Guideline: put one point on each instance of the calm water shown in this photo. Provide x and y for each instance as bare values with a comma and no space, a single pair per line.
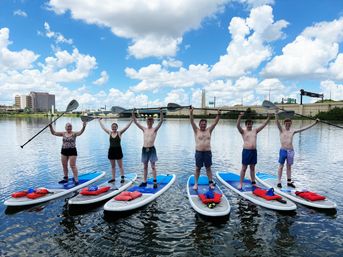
168,226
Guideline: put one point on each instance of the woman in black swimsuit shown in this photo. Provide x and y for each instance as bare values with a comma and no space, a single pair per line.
115,151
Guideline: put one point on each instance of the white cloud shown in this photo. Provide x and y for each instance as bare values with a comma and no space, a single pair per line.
331,90
178,96
256,3
156,76
14,59
20,13
155,27
248,48
58,37
314,53
102,80
66,67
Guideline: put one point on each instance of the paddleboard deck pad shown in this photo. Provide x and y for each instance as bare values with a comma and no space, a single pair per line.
115,188
270,180
164,181
231,180
56,190
220,209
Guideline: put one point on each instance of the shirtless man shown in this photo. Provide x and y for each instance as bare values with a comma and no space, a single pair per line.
148,150
249,153
203,154
287,151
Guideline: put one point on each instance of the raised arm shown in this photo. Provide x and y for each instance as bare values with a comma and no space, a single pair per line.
161,120
191,117
103,127
135,121
277,121
126,127
263,125
239,123
211,128
306,127
79,133
52,130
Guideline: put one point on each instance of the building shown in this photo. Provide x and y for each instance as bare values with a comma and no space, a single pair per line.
42,102
37,101
23,101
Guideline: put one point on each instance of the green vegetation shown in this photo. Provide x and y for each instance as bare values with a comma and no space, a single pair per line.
29,114
334,114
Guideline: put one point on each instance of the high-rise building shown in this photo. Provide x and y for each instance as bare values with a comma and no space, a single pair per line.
203,98
23,101
42,102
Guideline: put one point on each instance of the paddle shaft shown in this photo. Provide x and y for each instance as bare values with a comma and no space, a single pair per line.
22,146
308,117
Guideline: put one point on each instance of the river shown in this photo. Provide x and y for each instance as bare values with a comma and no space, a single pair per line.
168,226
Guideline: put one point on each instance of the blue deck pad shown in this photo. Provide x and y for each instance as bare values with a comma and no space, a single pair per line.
202,189
203,180
82,179
145,190
161,179
233,180
265,176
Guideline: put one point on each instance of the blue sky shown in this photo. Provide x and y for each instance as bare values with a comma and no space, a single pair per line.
139,53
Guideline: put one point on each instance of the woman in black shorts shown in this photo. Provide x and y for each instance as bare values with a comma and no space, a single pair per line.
115,152
68,151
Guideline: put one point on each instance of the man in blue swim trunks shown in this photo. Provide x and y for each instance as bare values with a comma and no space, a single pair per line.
148,149
287,151
249,153
203,154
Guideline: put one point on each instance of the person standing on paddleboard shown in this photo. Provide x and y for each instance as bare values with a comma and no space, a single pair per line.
286,151
115,152
249,153
203,154
149,150
68,151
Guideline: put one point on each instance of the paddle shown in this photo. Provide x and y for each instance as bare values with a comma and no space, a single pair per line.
71,106
88,118
269,105
175,107
118,109
85,118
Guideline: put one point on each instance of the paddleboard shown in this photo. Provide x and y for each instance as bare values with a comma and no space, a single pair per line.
270,180
115,188
148,194
220,209
231,180
57,190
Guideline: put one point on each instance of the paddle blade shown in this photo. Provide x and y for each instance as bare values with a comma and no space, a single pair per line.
72,106
87,118
117,109
269,105
172,107
286,114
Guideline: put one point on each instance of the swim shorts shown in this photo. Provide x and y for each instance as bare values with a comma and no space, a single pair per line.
249,156
149,154
203,158
286,154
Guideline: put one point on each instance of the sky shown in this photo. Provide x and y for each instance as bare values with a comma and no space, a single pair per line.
147,53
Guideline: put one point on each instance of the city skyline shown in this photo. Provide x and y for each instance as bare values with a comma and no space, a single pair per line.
150,53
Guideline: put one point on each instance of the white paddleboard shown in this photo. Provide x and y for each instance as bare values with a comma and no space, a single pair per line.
148,194
115,188
220,209
231,180
57,190
270,180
